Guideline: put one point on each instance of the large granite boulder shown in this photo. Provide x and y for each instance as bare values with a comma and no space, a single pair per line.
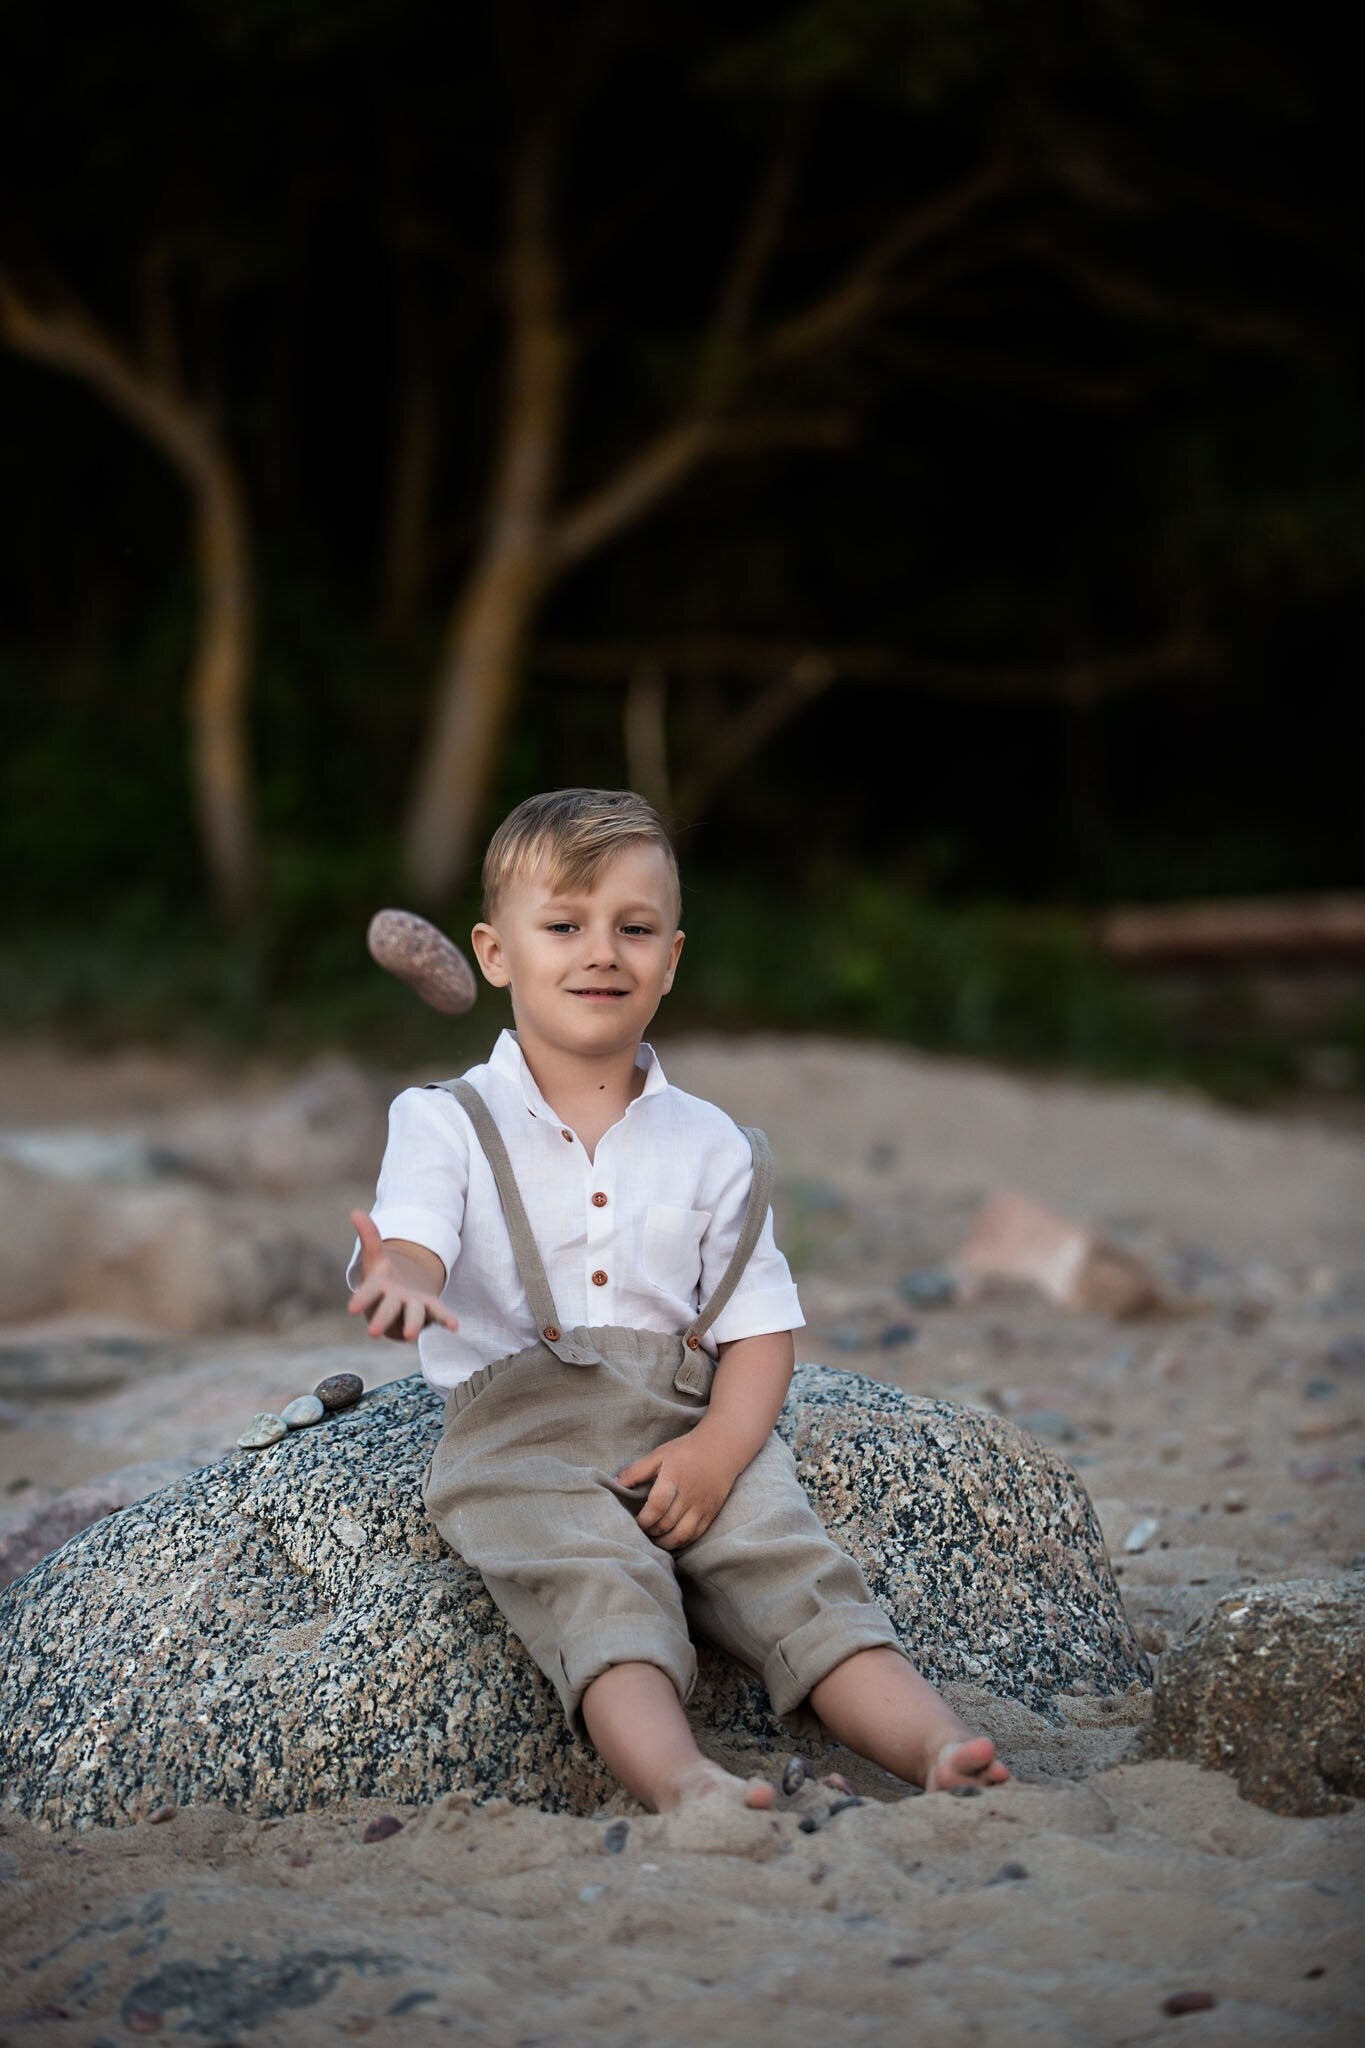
1271,1689
285,1627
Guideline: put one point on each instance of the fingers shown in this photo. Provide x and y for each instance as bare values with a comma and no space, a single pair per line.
399,1312
685,1530
662,1495
371,1243
643,1469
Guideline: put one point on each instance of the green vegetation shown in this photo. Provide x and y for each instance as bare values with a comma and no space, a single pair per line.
851,955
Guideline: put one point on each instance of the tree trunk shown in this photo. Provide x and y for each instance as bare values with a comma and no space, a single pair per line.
149,396
220,764
480,666
407,539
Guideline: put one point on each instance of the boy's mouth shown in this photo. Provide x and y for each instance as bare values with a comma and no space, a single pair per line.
599,995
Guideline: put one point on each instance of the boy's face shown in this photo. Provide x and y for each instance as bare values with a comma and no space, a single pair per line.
586,968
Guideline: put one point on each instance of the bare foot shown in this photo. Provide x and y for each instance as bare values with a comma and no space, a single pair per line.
709,1781
972,1762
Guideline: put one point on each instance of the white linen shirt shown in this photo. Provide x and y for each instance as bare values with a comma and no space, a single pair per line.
638,1236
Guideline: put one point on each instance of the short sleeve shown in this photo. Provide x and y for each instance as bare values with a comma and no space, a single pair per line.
765,1299
424,1176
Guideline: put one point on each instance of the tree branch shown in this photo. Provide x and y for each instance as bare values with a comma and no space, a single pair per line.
720,361
1185,650
68,339
850,302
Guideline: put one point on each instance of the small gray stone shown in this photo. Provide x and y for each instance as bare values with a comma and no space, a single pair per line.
838,1805
307,1408
793,1775
262,1430
340,1389
930,1287
616,1836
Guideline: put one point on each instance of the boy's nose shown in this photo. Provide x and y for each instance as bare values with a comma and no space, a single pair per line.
599,948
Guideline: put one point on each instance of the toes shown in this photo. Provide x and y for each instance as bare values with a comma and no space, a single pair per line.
971,1763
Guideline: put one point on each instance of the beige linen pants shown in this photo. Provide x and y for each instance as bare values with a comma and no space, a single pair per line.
522,1485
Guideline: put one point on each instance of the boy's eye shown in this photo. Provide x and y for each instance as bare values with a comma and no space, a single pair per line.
637,931
563,926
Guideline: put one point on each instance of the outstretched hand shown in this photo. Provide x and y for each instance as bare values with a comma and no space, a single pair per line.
393,1300
691,1484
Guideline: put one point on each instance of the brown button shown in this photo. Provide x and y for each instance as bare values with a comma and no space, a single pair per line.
567,1136
599,1278
550,1334
599,1201
694,1343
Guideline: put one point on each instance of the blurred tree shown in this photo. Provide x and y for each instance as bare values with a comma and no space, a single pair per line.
1041,141
124,195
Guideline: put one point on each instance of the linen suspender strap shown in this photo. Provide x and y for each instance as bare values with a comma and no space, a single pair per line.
529,1263
695,1374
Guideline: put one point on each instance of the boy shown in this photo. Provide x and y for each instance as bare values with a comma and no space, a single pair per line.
624,1340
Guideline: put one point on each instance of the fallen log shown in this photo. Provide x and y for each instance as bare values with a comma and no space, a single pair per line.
1267,928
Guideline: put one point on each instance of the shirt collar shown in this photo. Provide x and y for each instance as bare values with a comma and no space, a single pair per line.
508,1060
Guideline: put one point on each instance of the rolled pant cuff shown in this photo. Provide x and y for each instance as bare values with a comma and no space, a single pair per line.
621,1642
812,1651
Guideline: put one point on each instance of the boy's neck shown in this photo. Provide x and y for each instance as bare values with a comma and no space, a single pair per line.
589,1095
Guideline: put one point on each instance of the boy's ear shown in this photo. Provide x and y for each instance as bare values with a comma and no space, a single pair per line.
677,947
488,952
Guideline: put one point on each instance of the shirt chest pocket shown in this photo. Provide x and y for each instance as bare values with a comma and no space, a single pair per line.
671,1253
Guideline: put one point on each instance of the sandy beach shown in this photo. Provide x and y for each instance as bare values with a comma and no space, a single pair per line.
1097,1898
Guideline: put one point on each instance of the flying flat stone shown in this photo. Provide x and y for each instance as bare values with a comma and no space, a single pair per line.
414,950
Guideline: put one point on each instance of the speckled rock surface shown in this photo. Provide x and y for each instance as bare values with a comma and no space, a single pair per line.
1272,1690
285,1627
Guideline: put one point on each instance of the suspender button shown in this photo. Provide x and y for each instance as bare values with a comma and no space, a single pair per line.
550,1334
694,1343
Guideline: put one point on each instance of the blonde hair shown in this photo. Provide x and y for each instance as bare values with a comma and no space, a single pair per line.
571,834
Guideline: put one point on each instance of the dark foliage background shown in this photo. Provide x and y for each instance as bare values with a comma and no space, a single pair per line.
1117,413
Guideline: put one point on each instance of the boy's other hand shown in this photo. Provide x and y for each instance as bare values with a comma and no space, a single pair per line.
395,1294
692,1483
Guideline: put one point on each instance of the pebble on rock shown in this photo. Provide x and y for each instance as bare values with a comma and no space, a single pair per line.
262,1430
307,1408
793,1775
339,1390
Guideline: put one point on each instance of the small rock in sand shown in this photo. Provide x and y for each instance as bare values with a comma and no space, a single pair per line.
793,1775
616,1837
379,1830
1141,1534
